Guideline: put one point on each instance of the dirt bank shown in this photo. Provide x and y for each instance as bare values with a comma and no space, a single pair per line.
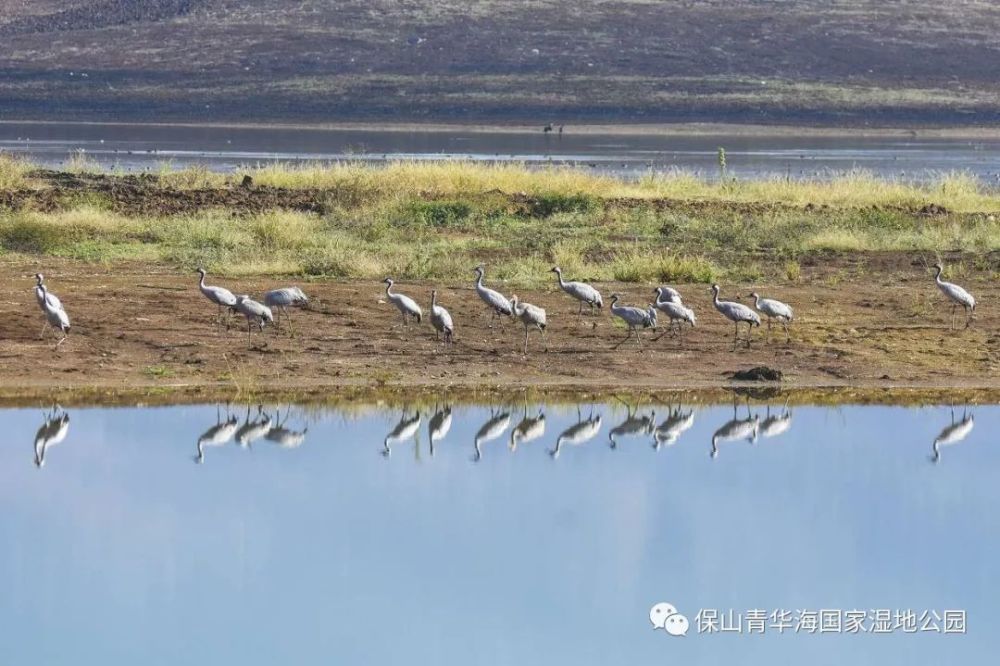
142,327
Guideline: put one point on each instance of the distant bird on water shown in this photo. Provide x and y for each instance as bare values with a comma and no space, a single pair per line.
218,295
256,313
406,305
956,295
55,315
529,315
284,298
498,304
441,319
736,313
581,291
773,309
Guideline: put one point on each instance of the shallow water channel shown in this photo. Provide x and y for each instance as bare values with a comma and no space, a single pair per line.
504,534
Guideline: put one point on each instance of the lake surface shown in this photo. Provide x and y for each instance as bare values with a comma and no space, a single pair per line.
355,537
138,148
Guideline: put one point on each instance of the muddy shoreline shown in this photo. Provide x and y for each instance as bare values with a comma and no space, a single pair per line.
145,334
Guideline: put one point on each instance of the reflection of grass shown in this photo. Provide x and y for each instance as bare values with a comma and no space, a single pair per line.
436,221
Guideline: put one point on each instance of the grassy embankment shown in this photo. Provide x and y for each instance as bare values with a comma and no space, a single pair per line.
435,221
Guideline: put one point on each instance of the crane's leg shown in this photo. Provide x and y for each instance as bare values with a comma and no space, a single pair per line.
526,339
749,333
736,334
637,341
285,314
61,340
249,342
581,309
767,335
628,334
788,336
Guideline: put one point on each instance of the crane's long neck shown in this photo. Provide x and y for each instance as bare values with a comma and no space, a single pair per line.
561,283
479,279
756,301
388,286
937,276
434,300
201,282
715,297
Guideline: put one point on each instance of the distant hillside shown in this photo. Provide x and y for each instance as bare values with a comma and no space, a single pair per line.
848,62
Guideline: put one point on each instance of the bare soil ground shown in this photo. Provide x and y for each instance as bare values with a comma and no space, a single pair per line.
149,327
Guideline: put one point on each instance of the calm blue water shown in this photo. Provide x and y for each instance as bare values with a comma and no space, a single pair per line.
139,148
341,547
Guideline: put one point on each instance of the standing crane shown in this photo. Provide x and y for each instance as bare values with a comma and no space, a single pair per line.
635,318
55,315
773,309
441,320
632,425
221,296
40,295
530,315
256,313
406,305
581,291
736,313
670,304
284,298
957,296
498,304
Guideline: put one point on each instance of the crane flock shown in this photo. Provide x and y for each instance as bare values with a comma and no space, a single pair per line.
668,302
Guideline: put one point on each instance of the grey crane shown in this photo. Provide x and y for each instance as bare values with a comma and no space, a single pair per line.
773,309
491,430
675,425
579,433
55,316
635,318
403,431
439,426
284,298
52,431
631,426
406,305
498,304
218,435
40,296
957,296
256,313
581,291
221,296
953,433
529,315
441,320
736,313
671,305
668,295
736,429
528,430
251,431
